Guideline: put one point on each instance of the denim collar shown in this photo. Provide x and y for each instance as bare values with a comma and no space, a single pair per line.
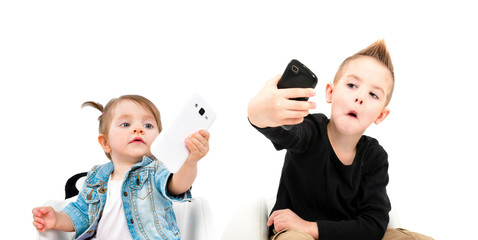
101,173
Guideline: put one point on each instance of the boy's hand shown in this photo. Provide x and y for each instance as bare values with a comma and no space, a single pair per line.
272,107
44,218
285,218
198,145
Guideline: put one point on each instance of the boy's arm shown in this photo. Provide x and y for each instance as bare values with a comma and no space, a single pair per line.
272,107
182,180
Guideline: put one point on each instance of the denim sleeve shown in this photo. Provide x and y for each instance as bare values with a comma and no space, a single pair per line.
161,179
78,213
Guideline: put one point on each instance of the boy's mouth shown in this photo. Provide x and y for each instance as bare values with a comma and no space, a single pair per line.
137,140
352,114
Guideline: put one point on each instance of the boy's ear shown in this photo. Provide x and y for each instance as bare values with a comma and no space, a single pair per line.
382,116
329,92
104,143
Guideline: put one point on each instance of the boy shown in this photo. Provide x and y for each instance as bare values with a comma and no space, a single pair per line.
333,182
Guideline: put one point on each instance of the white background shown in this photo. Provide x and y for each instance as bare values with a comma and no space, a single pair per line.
54,55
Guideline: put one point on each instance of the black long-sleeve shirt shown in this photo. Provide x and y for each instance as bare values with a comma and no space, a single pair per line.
346,201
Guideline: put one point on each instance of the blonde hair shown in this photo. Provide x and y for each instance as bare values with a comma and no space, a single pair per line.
377,50
107,112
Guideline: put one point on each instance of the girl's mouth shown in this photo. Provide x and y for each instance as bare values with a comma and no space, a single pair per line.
137,140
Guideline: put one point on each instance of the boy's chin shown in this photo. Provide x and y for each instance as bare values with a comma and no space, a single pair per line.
349,129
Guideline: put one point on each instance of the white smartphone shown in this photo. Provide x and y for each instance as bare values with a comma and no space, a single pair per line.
169,146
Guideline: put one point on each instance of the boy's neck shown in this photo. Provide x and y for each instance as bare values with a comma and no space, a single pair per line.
344,146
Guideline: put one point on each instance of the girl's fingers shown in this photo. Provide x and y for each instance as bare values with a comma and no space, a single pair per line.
205,134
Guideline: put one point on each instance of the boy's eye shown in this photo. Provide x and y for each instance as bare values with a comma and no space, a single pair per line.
351,85
373,95
125,125
148,125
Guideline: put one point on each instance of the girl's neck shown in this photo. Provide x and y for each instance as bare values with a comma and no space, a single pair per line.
120,168
344,146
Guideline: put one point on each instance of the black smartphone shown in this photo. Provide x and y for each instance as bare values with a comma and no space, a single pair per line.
297,75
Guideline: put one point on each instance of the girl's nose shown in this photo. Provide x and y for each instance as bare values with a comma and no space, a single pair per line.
138,131
358,101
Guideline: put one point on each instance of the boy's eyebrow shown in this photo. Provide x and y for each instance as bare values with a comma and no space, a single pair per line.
373,86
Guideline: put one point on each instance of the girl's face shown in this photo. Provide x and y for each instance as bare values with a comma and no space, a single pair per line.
359,97
131,132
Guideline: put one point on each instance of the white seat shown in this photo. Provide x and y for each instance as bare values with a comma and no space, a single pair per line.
252,219
194,221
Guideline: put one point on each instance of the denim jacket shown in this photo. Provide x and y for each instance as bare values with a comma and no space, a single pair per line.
146,201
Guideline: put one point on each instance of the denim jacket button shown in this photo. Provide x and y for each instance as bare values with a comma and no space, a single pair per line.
102,190
125,194
88,197
131,221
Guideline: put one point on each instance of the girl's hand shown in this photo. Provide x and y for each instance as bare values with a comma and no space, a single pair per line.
182,180
272,107
44,218
198,145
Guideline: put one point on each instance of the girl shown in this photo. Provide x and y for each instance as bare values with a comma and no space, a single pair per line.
131,196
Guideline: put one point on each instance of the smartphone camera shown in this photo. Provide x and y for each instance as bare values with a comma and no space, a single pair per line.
295,69
202,111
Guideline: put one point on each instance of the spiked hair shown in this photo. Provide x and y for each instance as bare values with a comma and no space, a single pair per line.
377,50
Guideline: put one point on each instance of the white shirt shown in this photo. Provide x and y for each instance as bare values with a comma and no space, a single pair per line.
112,224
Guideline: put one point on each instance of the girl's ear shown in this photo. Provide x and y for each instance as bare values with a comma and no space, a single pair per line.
104,143
382,116
329,92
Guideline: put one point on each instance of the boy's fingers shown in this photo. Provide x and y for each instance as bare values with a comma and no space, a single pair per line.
298,105
270,221
274,81
297,92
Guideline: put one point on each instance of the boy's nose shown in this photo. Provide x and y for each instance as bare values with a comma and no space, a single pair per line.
138,131
358,101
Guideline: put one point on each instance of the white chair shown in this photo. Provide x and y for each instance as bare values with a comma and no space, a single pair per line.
194,219
250,221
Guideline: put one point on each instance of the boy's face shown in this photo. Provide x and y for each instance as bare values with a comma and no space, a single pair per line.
359,96
131,132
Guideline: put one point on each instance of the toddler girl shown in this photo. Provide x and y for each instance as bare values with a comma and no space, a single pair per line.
131,196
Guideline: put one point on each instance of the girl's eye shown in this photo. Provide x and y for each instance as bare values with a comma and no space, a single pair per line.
148,125
351,85
125,125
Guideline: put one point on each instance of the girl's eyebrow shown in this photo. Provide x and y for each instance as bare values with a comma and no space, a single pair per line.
145,117
148,117
124,116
